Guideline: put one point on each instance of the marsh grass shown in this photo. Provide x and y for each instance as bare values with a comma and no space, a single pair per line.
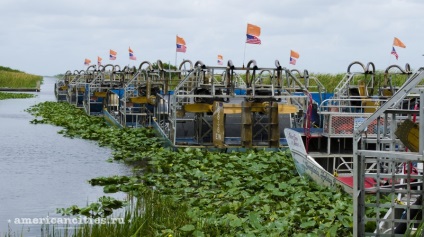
148,215
330,81
12,79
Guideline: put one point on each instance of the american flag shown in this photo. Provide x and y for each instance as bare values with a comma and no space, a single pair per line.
251,39
394,53
181,48
181,45
252,34
293,57
220,59
132,57
112,55
292,60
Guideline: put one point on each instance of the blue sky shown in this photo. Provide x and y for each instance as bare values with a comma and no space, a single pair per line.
48,37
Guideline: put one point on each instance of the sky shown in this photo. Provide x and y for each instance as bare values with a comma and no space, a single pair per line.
49,37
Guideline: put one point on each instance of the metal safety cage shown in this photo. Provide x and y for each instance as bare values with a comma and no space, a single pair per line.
226,107
76,89
394,207
61,86
139,96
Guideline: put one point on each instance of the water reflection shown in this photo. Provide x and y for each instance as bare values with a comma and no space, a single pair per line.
40,170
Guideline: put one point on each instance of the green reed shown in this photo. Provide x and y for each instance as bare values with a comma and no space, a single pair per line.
19,80
150,214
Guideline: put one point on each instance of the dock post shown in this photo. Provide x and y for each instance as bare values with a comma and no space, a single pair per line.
274,130
246,124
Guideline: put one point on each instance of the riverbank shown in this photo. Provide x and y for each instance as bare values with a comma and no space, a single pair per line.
5,89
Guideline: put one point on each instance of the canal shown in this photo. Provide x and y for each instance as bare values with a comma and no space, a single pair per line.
40,170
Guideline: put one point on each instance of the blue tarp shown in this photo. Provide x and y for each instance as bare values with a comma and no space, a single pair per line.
119,92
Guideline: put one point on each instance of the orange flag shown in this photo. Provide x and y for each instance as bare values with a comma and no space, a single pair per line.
293,57
181,45
180,40
131,52
220,59
87,62
397,42
112,55
294,54
253,30
252,34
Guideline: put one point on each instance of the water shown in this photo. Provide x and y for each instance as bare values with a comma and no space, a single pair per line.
40,170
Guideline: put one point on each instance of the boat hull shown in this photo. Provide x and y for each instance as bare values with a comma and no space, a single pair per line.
306,165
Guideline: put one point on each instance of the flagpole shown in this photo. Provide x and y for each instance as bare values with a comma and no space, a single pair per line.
389,58
176,53
244,54
175,58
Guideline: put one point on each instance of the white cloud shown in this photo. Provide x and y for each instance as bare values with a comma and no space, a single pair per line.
48,37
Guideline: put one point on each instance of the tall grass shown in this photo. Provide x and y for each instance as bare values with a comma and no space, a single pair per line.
8,69
149,215
330,81
19,80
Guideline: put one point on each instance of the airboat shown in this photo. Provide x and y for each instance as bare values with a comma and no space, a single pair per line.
214,107
368,145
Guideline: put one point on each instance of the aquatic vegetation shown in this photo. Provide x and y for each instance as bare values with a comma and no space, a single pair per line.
5,96
126,143
150,215
252,193
194,192
103,208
